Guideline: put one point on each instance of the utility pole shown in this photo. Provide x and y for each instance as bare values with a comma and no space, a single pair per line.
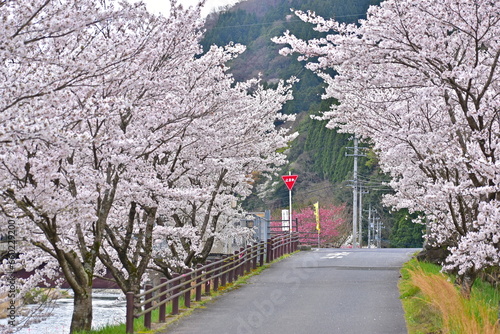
360,216
377,233
369,224
379,227
355,195
355,209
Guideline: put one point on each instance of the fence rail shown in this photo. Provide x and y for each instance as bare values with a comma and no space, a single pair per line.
211,275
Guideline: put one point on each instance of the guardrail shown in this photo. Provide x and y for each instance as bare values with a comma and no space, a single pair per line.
213,275
309,238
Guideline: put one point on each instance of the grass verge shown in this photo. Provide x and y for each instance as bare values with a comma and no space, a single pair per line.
433,304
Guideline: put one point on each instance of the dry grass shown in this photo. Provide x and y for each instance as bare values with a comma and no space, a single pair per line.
458,314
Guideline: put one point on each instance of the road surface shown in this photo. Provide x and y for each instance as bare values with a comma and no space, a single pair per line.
321,291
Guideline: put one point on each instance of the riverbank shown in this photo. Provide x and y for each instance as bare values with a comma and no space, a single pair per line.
109,309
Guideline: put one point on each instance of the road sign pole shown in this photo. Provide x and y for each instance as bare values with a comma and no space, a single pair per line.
290,213
290,181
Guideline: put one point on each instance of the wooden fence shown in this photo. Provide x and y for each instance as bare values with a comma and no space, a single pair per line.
212,275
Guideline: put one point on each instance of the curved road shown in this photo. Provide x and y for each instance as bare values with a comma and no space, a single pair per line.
322,291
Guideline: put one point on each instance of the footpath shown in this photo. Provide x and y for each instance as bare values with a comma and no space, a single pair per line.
321,291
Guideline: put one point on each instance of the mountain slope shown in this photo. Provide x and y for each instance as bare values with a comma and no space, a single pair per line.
318,155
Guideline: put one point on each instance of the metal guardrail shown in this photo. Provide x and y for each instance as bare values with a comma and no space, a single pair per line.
213,275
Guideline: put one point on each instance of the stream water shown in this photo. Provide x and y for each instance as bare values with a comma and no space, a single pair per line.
108,308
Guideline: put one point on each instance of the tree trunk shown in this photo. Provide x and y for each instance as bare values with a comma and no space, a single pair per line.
135,287
466,281
82,312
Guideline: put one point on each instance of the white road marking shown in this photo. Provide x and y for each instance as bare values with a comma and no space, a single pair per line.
337,255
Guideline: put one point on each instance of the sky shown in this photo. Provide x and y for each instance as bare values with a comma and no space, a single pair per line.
162,6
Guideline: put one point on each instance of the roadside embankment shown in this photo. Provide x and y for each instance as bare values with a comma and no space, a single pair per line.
434,304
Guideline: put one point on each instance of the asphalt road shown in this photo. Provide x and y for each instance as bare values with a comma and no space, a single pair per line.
322,291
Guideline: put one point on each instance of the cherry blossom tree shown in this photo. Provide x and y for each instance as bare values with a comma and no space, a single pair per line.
56,189
67,147
117,135
226,131
242,139
332,224
421,80
160,107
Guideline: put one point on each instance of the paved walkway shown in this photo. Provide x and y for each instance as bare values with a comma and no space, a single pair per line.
323,291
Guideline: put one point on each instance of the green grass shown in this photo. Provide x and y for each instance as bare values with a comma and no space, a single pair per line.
433,304
138,324
420,316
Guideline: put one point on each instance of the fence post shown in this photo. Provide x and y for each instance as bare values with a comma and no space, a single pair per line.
242,262
175,300
215,276
262,251
273,248
276,246
236,265
231,272
239,264
198,282
269,255
224,267
130,313
283,246
163,307
147,315
187,295
253,257
209,275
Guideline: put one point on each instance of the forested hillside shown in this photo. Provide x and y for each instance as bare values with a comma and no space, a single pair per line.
254,22
318,155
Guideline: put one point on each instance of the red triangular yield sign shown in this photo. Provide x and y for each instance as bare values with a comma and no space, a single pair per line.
289,180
